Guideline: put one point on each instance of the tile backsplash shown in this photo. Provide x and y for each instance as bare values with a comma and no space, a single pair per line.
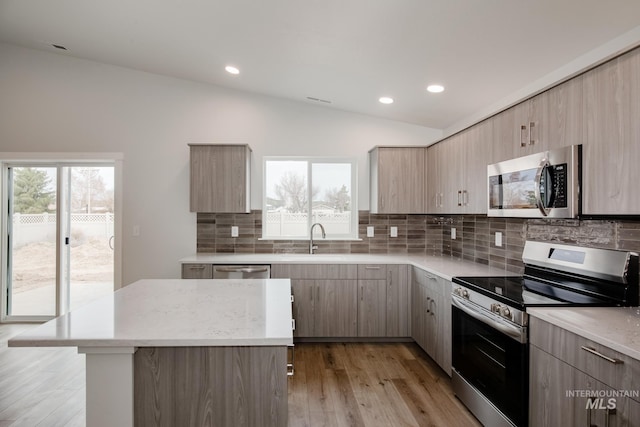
425,234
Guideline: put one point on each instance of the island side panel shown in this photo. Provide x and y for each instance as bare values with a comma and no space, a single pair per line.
210,386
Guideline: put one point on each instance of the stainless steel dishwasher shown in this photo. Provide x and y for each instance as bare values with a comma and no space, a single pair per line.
241,271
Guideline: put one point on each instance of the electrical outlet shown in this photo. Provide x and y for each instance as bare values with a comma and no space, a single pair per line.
498,238
234,231
453,233
370,231
393,232
136,231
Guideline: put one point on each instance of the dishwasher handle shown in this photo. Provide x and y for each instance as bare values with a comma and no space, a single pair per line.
242,269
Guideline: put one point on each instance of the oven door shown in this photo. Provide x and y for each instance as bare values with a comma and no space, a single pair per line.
490,368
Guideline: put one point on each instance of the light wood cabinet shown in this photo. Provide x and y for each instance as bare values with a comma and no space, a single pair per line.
398,307
197,271
565,369
549,120
220,178
372,300
611,150
431,316
345,300
457,171
325,298
397,180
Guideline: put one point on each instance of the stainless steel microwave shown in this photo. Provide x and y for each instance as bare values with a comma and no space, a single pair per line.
542,185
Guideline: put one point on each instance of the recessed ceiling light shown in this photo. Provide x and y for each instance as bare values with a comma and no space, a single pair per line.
386,100
231,69
435,88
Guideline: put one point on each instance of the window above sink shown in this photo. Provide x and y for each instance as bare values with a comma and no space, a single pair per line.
300,191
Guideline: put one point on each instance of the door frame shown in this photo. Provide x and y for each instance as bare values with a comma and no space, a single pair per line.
57,160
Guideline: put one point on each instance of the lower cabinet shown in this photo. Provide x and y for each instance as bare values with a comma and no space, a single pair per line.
383,301
325,298
342,300
197,271
571,386
431,315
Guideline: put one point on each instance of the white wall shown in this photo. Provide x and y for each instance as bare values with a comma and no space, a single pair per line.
55,103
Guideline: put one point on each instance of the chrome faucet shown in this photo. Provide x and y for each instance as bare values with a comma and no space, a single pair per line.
312,247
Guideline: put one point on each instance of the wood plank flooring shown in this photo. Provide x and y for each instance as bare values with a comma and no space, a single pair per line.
349,384
353,384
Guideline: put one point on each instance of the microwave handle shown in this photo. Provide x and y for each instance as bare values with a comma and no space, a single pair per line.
543,165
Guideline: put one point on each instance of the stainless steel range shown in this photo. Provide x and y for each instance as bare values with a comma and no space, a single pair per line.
490,337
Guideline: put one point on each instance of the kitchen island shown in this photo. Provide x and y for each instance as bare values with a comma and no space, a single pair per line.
181,352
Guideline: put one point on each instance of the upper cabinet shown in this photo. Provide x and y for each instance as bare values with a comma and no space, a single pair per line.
611,150
549,120
398,180
457,171
220,178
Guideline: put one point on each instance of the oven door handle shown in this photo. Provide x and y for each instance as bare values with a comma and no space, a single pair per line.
512,331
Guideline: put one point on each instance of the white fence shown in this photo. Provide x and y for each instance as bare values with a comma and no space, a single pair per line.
297,224
28,228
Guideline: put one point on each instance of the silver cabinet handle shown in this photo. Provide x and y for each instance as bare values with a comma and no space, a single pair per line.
523,131
196,267
433,310
459,197
465,197
293,324
290,368
372,267
531,126
597,353
428,304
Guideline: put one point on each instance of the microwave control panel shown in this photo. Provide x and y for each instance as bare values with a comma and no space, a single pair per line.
560,185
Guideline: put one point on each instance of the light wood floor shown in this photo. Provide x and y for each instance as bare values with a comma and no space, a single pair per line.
334,385
371,385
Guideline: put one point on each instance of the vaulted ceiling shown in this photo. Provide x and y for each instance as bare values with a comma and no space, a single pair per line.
342,54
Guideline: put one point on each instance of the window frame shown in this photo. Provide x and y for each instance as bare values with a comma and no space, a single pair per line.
311,160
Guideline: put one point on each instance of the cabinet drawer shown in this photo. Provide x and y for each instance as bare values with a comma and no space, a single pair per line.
601,362
197,271
314,271
372,271
433,282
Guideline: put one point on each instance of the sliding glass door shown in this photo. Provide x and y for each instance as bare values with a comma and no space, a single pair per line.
32,255
60,238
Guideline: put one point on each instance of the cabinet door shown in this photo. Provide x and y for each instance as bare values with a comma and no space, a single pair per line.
398,180
197,271
557,393
398,307
418,311
476,151
336,308
443,314
435,171
372,308
303,307
562,116
220,178
611,149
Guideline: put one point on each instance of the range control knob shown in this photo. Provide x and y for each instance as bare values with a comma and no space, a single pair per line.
505,312
464,293
495,308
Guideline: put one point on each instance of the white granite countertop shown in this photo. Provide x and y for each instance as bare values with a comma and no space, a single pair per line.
175,313
443,266
614,327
